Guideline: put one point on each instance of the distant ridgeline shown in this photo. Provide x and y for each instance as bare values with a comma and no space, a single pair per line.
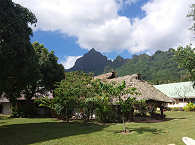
157,69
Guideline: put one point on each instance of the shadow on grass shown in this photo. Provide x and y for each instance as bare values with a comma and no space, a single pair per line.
156,120
142,130
179,118
23,134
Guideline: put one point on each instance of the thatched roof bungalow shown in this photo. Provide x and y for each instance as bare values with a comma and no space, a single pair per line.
153,97
145,90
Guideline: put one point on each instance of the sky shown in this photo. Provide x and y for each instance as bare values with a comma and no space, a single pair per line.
113,27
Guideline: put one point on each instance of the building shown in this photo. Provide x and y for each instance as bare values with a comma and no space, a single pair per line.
182,92
146,91
5,105
153,97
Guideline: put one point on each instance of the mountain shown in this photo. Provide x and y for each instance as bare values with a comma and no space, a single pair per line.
93,61
157,69
116,63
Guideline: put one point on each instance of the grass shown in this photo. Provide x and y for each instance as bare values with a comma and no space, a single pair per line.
47,131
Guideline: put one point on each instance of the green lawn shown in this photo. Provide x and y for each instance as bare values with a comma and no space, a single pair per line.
24,131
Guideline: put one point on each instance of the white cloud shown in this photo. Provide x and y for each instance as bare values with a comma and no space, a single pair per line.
165,26
96,23
69,61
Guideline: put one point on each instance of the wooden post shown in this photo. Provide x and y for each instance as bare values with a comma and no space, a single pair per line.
161,112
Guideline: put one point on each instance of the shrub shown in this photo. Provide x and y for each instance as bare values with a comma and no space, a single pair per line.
141,106
104,111
24,110
88,106
189,107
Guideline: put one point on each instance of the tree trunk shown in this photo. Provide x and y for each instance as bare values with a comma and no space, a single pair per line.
161,112
119,114
131,115
124,127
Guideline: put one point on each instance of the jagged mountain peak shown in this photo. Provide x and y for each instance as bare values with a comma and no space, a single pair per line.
92,61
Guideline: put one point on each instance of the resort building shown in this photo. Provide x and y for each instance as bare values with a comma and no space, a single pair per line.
145,91
182,92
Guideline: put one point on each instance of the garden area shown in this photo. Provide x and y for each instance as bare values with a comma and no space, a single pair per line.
81,108
50,131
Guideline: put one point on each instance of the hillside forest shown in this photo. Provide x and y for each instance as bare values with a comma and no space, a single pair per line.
161,67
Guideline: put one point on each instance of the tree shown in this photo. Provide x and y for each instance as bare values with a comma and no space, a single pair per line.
117,93
192,14
45,72
69,94
16,51
48,73
185,57
88,106
51,71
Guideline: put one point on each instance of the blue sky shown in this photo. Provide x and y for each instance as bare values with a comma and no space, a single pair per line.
113,27
66,46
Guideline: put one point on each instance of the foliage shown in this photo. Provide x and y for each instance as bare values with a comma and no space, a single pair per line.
45,73
24,70
73,92
185,57
88,106
16,52
104,110
25,110
65,100
116,92
127,105
116,63
189,107
157,69
51,71
141,106
79,92
48,73
192,14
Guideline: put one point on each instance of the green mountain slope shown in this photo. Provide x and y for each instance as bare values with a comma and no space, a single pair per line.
158,68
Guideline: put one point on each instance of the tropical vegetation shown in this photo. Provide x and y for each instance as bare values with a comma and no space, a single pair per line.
26,69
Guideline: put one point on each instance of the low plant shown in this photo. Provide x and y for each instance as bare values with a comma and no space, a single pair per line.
189,107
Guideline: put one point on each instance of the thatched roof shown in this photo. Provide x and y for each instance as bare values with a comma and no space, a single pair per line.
3,98
106,76
146,91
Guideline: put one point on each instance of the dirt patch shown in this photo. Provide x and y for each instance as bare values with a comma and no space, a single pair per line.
126,132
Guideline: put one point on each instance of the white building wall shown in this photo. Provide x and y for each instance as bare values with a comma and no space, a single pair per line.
6,108
180,104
